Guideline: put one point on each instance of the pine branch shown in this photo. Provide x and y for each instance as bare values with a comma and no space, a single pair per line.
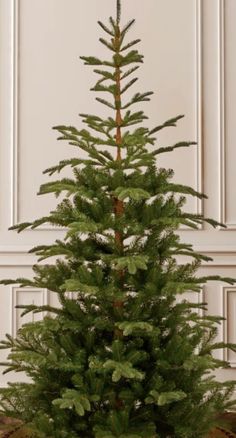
168,123
105,102
53,220
91,117
106,29
107,155
195,255
127,86
20,227
91,60
179,188
182,144
131,44
138,97
114,26
108,89
129,72
30,308
22,282
104,126
73,162
130,58
130,119
216,278
91,140
105,74
47,251
107,44
57,187
127,28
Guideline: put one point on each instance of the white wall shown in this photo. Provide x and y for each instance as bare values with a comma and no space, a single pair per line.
190,63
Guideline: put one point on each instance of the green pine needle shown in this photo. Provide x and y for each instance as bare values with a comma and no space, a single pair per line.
127,350
106,29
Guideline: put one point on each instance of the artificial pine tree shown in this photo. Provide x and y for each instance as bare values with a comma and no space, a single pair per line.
121,358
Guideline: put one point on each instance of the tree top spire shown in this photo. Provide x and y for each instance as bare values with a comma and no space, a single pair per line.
118,11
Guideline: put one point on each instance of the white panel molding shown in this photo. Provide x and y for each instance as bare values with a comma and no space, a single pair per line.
14,249
39,297
199,108
230,318
200,299
231,226
221,121
13,256
71,295
15,174
14,112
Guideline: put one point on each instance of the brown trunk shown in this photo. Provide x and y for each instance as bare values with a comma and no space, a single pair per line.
118,208
118,205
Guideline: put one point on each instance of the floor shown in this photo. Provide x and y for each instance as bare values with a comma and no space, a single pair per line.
6,424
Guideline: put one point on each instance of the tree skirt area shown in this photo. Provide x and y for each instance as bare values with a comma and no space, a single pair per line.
10,428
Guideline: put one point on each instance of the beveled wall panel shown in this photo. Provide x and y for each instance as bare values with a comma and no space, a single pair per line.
43,53
228,110
26,296
229,313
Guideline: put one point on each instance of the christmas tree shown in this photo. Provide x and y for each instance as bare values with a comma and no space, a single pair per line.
121,357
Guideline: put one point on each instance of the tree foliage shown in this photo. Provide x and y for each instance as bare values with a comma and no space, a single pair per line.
123,358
